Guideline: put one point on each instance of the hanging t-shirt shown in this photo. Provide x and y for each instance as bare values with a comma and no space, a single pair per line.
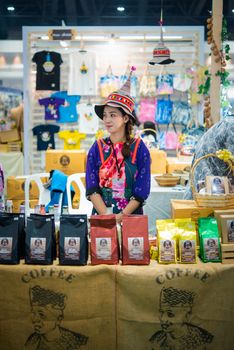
51,107
164,84
88,121
82,75
71,138
45,136
67,111
48,70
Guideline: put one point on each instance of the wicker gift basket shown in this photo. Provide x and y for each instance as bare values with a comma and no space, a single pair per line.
214,200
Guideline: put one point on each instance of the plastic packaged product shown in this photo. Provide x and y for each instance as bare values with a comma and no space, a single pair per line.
167,237
187,242
210,250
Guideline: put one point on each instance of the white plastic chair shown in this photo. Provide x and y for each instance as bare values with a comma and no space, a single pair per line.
44,193
85,206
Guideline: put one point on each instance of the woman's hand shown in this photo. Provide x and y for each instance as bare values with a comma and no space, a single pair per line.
119,217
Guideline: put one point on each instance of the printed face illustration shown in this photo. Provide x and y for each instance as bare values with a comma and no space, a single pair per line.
217,181
172,318
4,242
45,319
211,242
187,245
167,244
103,242
38,243
64,160
135,242
72,242
232,225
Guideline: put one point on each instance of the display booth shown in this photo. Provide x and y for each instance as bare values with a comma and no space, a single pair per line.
73,280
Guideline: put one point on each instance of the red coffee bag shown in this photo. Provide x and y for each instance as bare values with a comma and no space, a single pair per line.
135,240
104,243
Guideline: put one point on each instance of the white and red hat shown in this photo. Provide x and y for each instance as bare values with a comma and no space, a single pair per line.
161,55
121,99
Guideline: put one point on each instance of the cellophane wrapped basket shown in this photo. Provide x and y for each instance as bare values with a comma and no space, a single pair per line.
212,200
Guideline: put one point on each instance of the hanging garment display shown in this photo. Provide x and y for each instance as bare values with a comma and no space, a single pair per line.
48,70
164,111
171,138
45,136
147,86
164,84
67,111
181,82
198,77
147,110
71,138
88,121
82,74
109,83
51,107
181,113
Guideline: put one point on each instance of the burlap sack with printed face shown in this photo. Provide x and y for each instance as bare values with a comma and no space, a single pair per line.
175,307
78,302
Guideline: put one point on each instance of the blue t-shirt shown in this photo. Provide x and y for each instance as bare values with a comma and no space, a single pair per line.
67,112
45,136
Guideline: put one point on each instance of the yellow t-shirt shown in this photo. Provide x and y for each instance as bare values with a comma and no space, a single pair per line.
71,138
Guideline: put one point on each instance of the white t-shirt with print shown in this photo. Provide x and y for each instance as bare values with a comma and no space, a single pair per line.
82,74
88,120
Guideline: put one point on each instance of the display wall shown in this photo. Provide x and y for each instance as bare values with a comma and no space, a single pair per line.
114,49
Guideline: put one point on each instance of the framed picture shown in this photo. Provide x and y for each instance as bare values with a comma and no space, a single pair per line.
227,228
217,185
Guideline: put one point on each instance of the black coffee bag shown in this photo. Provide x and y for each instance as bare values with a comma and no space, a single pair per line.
21,228
73,240
39,240
51,216
9,239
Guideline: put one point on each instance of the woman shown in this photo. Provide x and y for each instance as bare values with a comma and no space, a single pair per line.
118,167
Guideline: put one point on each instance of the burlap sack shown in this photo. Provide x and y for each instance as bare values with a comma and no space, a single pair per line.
177,307
118,307
81,300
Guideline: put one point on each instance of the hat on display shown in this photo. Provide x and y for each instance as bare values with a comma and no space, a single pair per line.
121,99
161,53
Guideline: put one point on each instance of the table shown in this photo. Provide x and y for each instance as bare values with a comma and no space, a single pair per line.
158,205
117,307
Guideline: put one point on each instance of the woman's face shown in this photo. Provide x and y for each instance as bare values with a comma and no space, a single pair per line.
113,119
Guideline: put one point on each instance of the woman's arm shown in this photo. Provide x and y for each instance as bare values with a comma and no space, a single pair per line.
129,209
98,203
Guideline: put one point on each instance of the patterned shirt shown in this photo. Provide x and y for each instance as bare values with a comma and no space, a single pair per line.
140,183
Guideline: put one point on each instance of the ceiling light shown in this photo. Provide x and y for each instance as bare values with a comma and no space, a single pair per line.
120,8
10,8
233,10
